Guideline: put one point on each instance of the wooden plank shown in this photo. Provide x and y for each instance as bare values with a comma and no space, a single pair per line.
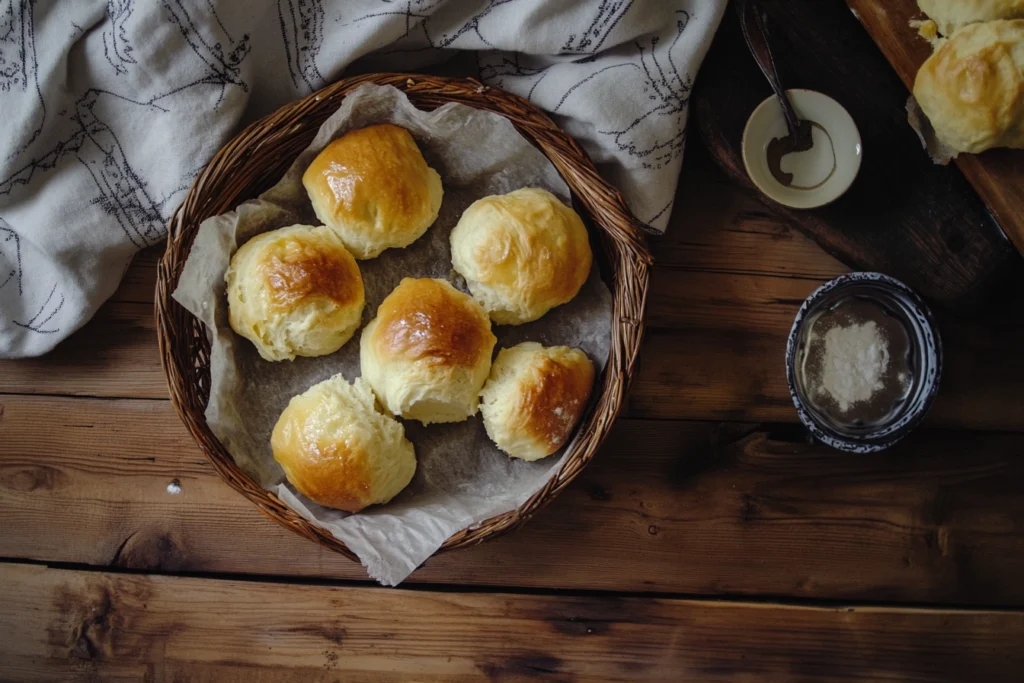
714,350
674,507
716,344
718,227
114,355
996,175
74,625
139,283
683,300
715,374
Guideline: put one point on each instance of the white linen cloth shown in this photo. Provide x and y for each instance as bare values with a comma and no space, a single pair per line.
109,109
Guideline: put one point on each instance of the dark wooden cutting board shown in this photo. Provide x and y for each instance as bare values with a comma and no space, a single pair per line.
904,216
997,175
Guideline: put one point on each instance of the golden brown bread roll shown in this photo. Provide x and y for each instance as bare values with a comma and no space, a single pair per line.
427,353
534,397
950,15
373,187
338,450
972,87
522,254
294,292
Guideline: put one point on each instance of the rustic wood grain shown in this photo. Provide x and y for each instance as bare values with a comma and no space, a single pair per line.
139,282
996,175
674,507
904,215
714,350
714,356
115,355
715,227
74,625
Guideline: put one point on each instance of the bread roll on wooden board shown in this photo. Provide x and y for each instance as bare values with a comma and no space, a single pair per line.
997,175
950,15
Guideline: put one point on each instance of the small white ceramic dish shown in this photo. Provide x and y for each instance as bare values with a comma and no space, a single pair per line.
821,174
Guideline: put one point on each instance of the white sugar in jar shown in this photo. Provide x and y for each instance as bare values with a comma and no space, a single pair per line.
855,362
863,361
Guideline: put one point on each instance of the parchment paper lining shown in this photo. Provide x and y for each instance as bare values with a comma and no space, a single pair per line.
939,152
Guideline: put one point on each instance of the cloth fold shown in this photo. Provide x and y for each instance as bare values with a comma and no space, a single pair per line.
112,107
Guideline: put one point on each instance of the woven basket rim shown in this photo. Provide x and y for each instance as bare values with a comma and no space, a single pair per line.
277,139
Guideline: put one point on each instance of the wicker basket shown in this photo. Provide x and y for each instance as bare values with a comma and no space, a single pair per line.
255,159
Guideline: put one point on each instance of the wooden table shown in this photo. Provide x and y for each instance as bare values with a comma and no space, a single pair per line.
707,541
